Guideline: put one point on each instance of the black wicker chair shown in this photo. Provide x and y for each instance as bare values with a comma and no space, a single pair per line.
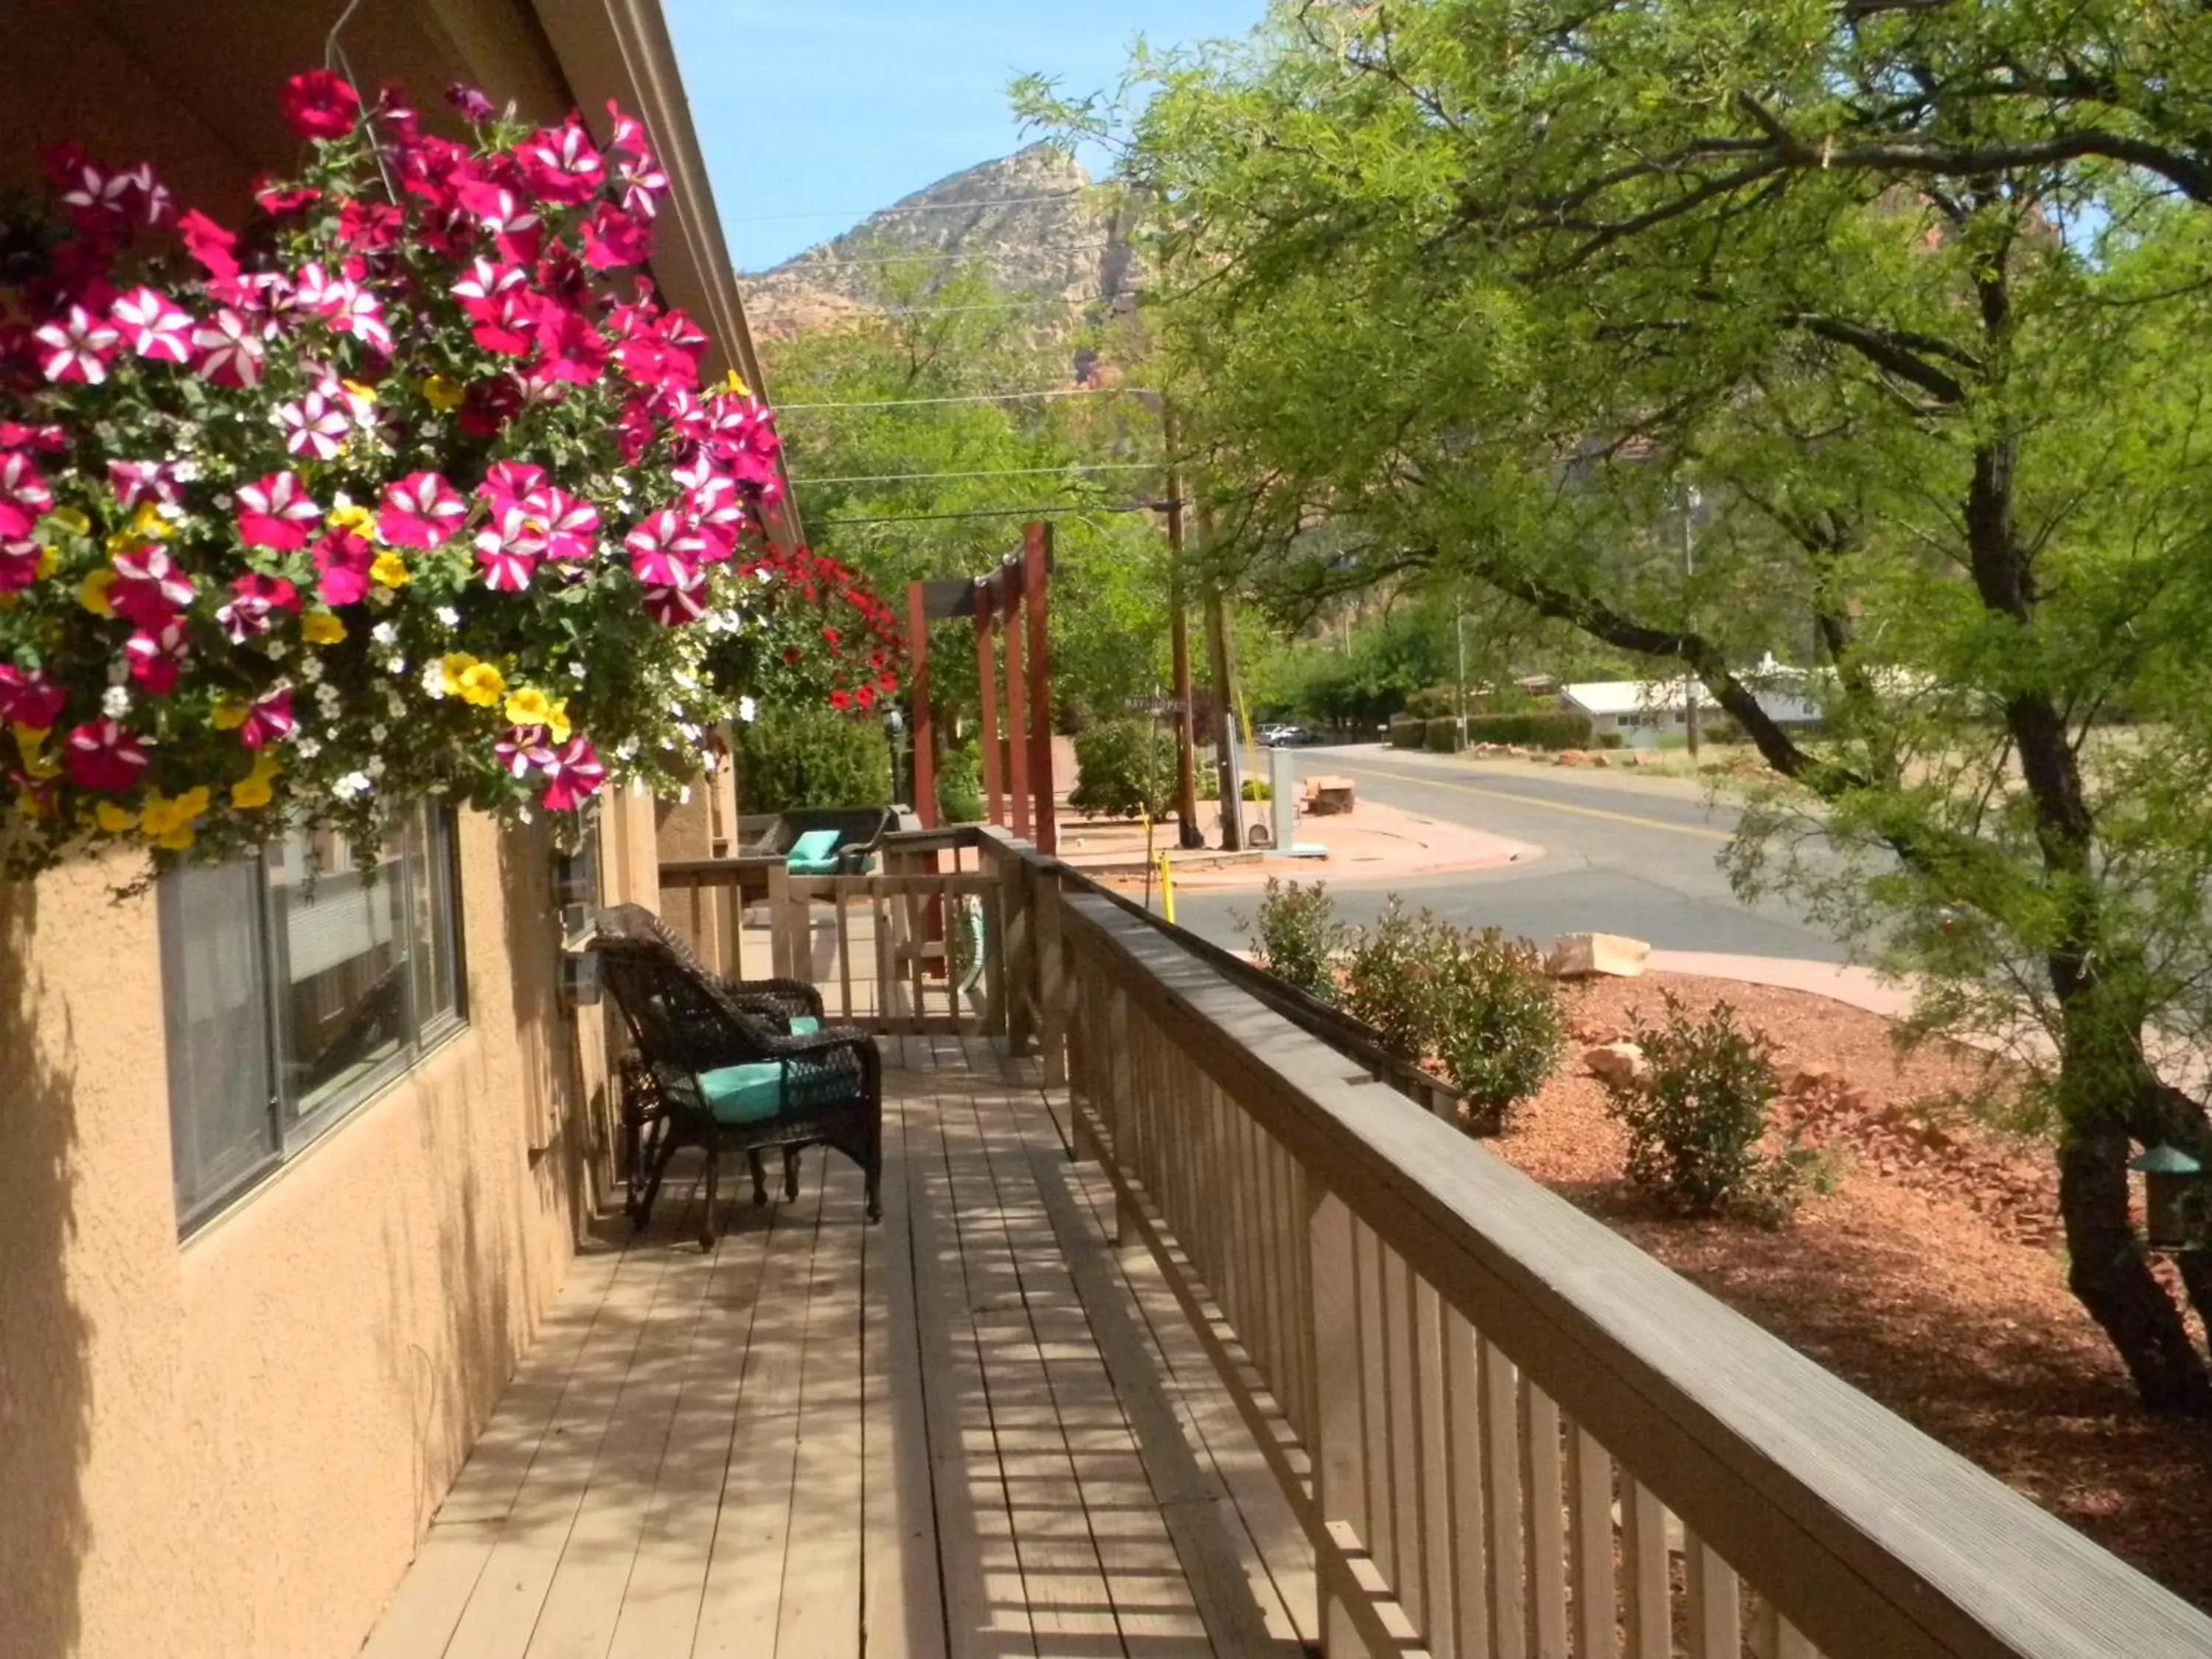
784,1000
721,1077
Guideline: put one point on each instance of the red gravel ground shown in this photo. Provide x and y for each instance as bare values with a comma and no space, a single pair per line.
1931,1277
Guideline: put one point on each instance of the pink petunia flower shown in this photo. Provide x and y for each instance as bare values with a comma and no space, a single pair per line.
475,108
367,226
150,587
19,565
572,524
276,512
561,164
362,316
638,177
522,748
342,565
283,201
77,347
511,324
484,283
489,404
215,248
247,615
675,604
30,698
665,549
24,497
134,482
229,349
102,757
635,431
156,655
151,200
720,511
158,330
321,105
505,213
46,440
614,239
321,291
569,348
510,481
573,774
421,510
269,720
510,548
314,426
97,199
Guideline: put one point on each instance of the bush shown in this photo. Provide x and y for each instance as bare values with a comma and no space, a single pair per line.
1718,728
1209,787
1124,767
1500,1029
1406,731
1391,977
1547,728
1432,701
1299,937
790,759
1612,740
1443,734
1696,1118
960,787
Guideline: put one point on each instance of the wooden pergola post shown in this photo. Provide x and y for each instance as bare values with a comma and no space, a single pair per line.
925,757
1018,747
1037,553
986,690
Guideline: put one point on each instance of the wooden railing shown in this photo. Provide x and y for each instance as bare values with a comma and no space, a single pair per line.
1508,1433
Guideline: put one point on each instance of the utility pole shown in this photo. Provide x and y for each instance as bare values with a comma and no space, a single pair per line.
1459,632
1689,569
1187,832
1224,712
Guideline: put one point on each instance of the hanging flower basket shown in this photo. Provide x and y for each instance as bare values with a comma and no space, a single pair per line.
406,486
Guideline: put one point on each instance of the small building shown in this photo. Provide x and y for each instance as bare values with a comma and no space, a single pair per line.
1783,692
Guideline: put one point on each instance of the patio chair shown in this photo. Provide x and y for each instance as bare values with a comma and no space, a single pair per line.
794,1004
722,1079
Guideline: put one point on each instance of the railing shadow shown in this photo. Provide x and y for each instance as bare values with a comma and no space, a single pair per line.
45,1338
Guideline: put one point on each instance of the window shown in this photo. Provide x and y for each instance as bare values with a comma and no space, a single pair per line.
298,985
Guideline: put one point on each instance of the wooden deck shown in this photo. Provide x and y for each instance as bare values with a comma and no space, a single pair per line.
975,1429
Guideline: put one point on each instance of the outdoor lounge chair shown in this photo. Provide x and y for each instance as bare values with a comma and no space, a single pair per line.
795,1005
721,1078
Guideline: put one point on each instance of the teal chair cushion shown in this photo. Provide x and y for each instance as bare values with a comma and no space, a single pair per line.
805,1025
752,1093
810,854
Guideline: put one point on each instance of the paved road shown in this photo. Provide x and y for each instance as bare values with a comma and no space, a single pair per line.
1617,859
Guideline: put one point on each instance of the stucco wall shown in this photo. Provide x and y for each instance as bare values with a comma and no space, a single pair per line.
228,1447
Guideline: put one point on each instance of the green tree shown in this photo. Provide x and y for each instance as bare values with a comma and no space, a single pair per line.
1886,309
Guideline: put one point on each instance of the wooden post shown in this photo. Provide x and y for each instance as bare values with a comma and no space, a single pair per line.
1051,977
925,757
987,689
1340,1458
1018,757
1224,723
1186,726
1036,582
1020,949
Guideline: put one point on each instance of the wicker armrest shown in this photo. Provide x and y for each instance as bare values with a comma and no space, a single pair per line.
837,1036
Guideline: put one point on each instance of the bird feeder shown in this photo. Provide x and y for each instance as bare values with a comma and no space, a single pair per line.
2171,1179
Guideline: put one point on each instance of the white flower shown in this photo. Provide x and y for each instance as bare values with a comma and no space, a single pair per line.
747,708
329,700
577,671
275,650
375,766
397,704
386,633
352,786
116,703
433,678
341,501
187,469
447,615
311,669
223,499
377,731
307,748
395,665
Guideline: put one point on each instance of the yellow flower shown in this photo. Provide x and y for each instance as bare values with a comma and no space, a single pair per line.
71,521
390,570
253,790
356,388
556,720
92,594
483,686
442,393
227,714
50,560
451,666
113,819
168,819
354,517
527,705
31,742
321,628
737,385
149,522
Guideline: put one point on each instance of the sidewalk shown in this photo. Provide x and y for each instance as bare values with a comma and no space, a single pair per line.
1372,843
1506,770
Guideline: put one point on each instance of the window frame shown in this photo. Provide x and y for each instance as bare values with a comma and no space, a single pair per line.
294,1123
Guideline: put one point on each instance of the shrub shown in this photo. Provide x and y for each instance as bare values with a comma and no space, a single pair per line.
1696,1118
1500,1029
1391,977
1443,734
1432,701
1612,740
1406,731
793,758
1124,767
1209,787
1547,728
1718,728
960,787
1299,937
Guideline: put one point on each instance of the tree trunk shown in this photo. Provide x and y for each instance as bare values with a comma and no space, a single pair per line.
2109,1274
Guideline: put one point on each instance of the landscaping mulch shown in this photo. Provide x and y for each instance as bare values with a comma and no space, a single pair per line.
1930,1276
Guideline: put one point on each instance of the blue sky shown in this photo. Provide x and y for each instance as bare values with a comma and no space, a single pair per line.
833,108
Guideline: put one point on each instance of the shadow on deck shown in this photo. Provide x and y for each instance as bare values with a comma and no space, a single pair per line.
976,1429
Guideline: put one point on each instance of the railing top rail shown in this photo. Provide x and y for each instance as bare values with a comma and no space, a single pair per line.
1871,1536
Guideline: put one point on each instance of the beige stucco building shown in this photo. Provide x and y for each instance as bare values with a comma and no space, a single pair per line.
234,1386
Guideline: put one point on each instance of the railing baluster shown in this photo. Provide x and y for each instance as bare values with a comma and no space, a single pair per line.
1438,1622
879,924
1501,1502
1715,1605
1590,1527
1545,1506
844,889
1374,1518
1644,1571
1401,1355
1339,1454
1463,1393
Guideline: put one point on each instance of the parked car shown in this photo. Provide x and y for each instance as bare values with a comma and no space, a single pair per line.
1288,737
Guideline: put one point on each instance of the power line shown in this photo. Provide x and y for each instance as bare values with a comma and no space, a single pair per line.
976,397
948,311
1001,513
815,256
882,213
994,472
